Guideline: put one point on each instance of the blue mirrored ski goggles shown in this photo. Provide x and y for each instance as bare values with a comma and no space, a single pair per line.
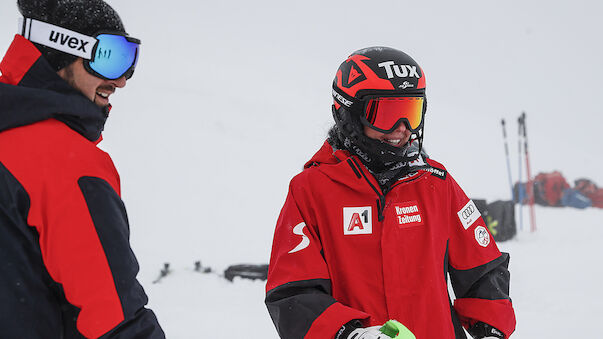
107,55
113,56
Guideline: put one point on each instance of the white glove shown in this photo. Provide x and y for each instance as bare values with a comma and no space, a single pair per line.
389,330
368,333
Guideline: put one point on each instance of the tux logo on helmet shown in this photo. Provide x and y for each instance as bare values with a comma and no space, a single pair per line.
401,71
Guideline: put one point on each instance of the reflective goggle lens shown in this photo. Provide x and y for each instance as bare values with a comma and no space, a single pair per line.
115,56
384,113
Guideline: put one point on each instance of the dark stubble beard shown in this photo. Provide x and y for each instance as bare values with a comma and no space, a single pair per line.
69,77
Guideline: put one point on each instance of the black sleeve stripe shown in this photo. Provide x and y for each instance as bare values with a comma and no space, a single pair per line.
111,223
294,306
488,281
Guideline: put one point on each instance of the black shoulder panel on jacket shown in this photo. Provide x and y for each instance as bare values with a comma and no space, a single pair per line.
24,282
295,305
488,281
110,220
42,95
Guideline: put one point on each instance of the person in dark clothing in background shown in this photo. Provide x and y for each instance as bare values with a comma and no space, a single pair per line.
67,269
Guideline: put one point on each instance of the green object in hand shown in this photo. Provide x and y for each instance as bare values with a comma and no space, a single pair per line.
396,330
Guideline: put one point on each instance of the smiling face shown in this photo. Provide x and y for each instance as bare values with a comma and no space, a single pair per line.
96,89
398,138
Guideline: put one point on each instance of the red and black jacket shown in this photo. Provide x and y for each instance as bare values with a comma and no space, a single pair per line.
343,250
66,266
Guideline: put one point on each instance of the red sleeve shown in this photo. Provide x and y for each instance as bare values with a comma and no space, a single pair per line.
75,258
478,270
298,290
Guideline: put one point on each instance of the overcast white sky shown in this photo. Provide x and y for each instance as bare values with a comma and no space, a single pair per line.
231,98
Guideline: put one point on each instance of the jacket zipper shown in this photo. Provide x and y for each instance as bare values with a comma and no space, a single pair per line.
360,173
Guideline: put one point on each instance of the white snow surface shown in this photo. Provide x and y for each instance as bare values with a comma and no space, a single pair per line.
230,98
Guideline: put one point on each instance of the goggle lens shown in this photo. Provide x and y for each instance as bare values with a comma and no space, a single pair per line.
384,113
114,57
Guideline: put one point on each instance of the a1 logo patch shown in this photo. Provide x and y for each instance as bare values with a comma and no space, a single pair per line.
408,214
357,220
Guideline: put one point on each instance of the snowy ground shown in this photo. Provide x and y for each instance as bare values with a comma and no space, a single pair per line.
232,97
556,276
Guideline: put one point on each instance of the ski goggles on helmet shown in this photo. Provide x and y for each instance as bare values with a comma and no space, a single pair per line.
114,56
107,55
385,114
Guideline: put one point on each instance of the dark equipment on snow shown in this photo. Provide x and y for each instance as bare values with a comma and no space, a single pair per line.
246,271
589,189
573,198
199,268
551,189
165,271
499,217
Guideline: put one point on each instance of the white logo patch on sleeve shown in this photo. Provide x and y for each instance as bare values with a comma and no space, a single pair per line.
299,230
468,214
482,236
357,220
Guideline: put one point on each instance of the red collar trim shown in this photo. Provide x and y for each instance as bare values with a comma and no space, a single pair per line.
19,58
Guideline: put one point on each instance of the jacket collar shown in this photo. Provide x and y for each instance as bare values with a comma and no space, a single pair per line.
30,91
342,167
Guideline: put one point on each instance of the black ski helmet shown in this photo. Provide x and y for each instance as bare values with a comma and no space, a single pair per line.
369,73
87,17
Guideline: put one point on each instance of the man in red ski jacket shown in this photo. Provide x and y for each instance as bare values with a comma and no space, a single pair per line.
372,229
66,268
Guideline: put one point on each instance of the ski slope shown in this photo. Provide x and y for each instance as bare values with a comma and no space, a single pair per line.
556,276
231,98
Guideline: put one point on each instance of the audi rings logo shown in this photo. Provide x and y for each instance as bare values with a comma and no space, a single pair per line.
467,212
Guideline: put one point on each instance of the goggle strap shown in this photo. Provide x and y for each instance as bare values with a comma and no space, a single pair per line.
57,37
344,99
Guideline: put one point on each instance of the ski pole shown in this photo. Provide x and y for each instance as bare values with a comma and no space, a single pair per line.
530,184
504,130
519,197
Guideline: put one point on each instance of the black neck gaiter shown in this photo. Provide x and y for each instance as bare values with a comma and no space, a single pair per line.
386,174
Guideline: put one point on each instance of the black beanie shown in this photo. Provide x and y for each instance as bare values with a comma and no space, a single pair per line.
83,16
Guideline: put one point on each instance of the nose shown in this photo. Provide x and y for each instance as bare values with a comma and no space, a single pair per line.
401,128
119,83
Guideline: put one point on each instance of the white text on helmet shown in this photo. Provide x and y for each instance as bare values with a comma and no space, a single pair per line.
341,99
402,71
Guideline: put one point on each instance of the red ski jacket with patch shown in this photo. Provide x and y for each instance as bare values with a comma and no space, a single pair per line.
343,250
66,266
